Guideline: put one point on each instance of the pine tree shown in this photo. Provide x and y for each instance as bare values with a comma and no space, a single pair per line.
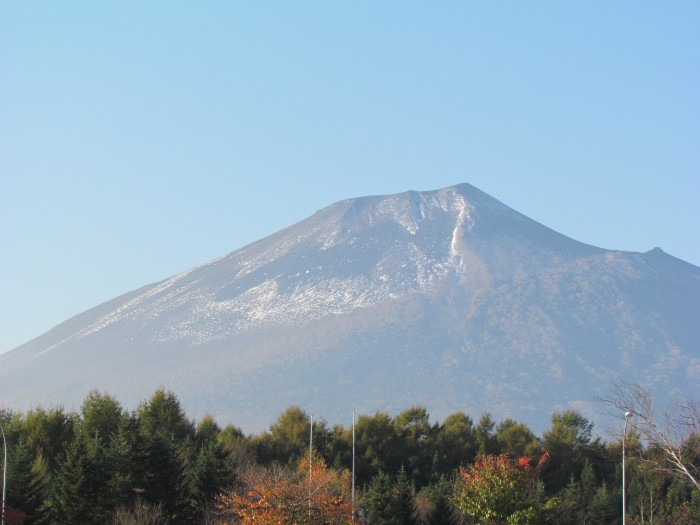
442,512
402,502
79,494
485,438
603,507
211,474
166,481
377,499
26,491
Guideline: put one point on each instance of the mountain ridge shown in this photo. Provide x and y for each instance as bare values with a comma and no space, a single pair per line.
446,298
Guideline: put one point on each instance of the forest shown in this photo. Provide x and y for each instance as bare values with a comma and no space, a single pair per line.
105,465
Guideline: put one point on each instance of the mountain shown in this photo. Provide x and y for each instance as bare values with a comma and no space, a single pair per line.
448,299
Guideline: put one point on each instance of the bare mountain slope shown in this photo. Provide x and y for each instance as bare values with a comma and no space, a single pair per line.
448,299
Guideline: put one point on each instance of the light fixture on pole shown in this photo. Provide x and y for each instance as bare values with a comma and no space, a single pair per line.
624,495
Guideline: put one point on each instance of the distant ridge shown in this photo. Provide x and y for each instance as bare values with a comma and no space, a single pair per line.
448,299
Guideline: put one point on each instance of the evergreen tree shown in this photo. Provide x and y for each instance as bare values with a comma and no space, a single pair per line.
79,491
42,486
402,501
378,499
565,507
163,417
26,491
376,446
48,432
125,459
517,440
485,438
100,415
604,506
415,442
211,473
441,512
565,442
290,435
207,430
166,482
455,443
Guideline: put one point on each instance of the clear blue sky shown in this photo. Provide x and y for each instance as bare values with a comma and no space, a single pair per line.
139,139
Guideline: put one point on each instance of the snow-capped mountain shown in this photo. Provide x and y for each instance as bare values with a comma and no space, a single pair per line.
447,299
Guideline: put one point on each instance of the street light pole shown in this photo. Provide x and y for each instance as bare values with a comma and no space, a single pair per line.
624,495
4,473
353,467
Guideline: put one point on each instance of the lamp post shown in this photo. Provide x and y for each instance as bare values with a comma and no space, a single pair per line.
353,467
624,494
4,473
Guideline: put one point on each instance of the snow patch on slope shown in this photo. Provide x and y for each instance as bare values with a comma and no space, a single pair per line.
129,310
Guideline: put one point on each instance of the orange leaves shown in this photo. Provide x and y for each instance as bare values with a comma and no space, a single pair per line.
275,495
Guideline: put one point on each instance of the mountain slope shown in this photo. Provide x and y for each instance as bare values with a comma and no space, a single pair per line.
446,298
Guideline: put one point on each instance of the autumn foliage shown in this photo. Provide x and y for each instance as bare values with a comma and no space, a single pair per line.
278,495
499,489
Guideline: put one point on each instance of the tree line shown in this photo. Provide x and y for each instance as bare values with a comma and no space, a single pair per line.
104,465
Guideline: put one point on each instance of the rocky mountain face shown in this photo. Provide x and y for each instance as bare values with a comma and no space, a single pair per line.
447,299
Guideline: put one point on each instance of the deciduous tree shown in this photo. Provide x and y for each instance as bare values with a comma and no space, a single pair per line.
500,490
305,495
675,431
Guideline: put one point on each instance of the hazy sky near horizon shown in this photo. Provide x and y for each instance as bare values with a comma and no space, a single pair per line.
140,139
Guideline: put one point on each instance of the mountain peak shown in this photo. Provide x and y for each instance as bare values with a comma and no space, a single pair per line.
446,298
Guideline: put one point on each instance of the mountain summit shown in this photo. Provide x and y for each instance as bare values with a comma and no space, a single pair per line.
447,299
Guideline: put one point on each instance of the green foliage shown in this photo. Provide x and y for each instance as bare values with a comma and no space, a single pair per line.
376,446
575,504
403,500
390,502
207,430
441,510
604,506
211,472
166,481
485,437
455,443
104,465
291,434
100,415
414,436
80,494
48,432
162,417
516,439
568,443
500,490
27,490
338,451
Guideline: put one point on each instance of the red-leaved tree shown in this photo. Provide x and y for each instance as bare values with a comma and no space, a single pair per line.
500,490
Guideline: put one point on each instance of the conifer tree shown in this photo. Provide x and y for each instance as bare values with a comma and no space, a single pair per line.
100,415
166,482
377,500
485,438
402,502
25,492
441,511
79,491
